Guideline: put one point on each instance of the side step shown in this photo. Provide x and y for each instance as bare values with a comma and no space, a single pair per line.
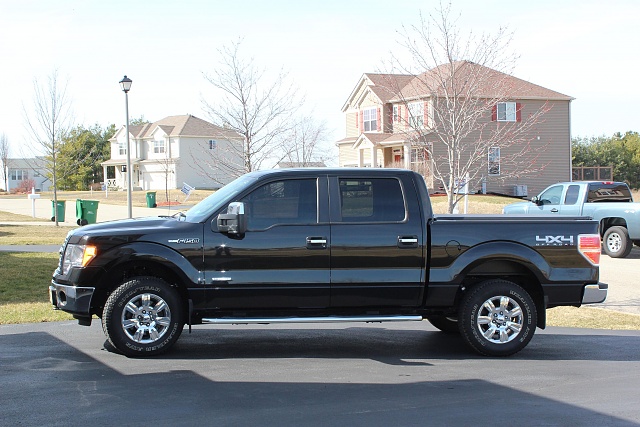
327,319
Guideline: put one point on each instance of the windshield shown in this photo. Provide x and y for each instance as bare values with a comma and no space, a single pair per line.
214,202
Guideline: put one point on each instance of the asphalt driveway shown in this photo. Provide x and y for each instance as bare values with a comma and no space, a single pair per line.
340,375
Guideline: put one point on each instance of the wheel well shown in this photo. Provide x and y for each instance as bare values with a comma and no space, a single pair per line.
511,271
114,277
607,223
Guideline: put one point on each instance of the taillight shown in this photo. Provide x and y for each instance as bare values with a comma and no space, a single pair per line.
589,247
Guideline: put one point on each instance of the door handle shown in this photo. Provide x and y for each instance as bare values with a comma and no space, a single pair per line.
316,242
407,241
554,210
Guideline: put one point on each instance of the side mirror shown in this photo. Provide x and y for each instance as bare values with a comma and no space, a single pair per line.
234,221
536,200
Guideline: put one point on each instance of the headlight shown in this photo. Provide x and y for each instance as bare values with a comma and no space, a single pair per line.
77,256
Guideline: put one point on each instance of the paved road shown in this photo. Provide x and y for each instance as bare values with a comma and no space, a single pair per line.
403,374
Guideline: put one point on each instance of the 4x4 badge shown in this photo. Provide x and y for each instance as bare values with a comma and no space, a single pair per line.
554,241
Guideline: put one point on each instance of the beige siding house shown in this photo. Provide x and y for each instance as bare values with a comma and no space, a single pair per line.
171,152
379,121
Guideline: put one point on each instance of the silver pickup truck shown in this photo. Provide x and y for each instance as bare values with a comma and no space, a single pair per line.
608,202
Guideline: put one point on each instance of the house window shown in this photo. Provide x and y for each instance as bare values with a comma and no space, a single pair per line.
158,147
122,148
395,114
506,111
419,155
369,120
416,114
19,174
494,161
212,144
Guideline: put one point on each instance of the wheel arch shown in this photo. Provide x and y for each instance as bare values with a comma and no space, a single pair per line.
135,260
503,260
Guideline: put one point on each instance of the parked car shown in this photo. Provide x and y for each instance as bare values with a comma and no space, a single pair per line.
609,203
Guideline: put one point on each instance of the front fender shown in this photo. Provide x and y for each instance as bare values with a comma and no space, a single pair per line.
152,252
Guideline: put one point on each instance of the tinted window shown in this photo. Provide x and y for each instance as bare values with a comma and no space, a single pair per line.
608,192
571,198
282,202
371,200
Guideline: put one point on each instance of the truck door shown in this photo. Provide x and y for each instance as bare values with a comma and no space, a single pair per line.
377,243
549,201
282,261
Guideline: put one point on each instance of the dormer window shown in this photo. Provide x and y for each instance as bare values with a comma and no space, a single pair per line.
370,116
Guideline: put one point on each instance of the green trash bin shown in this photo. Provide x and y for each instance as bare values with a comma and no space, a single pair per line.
60,210
86,211
151,199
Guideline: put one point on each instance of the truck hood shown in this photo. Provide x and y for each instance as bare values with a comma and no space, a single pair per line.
151,229
517,208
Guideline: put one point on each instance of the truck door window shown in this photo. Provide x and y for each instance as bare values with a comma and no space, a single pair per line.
283,202
571,198
371,200
551,196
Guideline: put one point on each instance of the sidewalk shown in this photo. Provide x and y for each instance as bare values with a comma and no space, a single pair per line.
106,212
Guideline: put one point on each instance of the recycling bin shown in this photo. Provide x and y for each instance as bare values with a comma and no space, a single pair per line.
86,211
59,209
151,199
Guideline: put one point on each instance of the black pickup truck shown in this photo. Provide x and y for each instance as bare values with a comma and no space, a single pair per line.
326,245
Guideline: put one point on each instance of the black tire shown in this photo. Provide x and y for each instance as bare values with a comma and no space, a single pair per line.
446,324
616,242
143,317
497,318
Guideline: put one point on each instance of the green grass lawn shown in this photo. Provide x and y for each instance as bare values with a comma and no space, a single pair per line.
24,288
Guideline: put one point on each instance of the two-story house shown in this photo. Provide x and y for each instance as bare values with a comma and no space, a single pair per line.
22,170
173,151
382,110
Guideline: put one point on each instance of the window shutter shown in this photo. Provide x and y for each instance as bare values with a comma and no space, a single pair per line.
357,121
518,112
426,114
378,119
361,121
406,116
494,113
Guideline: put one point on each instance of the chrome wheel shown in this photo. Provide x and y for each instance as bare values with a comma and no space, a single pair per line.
500,319
146,318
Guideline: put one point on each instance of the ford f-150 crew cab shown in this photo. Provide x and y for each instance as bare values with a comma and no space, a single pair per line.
326,245
609,203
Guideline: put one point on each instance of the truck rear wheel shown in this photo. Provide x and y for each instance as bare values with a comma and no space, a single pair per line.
446,324
497,318
143,317
617,243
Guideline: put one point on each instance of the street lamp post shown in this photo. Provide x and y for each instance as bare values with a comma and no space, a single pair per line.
126,86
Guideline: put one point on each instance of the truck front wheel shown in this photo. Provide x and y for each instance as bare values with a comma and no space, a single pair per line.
497,318
143,317
617,243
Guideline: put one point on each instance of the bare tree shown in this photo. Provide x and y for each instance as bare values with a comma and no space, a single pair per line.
47,121
249,103
303,145
463,78
4,158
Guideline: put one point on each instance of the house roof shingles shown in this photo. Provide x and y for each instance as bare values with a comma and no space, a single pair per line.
490,84
184,125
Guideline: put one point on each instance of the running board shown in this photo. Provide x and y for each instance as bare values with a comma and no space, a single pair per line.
328,319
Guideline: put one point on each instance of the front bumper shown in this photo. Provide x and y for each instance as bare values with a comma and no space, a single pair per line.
72,299
594,294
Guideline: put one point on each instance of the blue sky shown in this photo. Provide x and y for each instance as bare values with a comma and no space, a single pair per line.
585,49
